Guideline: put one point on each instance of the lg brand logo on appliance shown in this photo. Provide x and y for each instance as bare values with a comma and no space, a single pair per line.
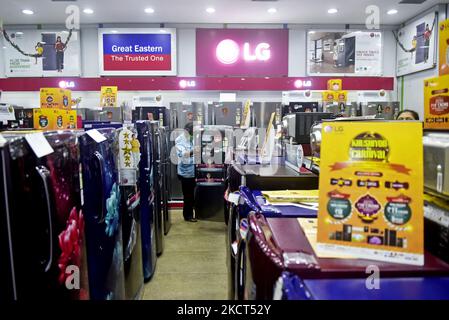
229,52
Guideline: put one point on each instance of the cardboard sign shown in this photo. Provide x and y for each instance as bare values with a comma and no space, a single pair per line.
49,119
108,96
56,98
39,144
436,103
444,48
371,193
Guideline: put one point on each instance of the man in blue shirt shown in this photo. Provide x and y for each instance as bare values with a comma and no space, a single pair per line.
186,170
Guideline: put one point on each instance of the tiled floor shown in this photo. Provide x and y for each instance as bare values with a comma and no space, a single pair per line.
193,264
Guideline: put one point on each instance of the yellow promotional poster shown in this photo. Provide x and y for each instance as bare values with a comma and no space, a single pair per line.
334,96
371,194
342,96
49,119
444,48
70,120
108,97
329,96
334,85
56,98
436,103
246,114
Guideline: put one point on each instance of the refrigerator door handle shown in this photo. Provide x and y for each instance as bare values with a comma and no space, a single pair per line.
100,160
44,173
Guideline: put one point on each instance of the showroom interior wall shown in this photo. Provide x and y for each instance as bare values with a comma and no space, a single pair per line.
186,62
413,94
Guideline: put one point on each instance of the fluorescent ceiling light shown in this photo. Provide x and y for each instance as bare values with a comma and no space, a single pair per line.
27,11
392,11
19,33
332,11
311,32
149,10
272,10
210,10
114,31
88,11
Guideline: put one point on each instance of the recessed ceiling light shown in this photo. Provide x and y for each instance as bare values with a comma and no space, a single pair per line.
311,32
392,11
149,10
27,11
88,11
114,31
332,11
19,33
162,31
210,10
272,10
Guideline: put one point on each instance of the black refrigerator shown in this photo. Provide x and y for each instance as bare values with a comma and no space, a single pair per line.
166,176
158,185
42,224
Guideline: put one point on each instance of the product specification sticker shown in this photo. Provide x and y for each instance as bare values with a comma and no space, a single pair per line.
96,135
39,144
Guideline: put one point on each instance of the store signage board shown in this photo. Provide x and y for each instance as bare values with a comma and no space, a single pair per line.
419,41
137,51
344,53
371,194
241,52
50,63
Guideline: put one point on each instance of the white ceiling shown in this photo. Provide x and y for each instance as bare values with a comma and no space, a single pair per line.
193,11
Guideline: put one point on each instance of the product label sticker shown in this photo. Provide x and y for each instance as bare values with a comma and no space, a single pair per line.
39,144
96,135
7,113
370,197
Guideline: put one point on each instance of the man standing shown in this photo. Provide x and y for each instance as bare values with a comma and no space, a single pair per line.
186,170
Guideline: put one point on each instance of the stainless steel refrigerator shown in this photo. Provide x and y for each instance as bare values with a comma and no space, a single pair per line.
261,113
180,115
225,113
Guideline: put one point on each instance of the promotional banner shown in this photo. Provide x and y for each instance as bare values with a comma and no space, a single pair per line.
416,45
55,98
444,48
356,53
371,194
241,52
436,103
137,52
108,96
45,53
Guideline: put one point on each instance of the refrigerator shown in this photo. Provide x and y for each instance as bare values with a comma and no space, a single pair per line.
42,227
101,209
129,208
225,113
49,53
155,113
180,115
346,52
261,114
166,176
158,186
147,206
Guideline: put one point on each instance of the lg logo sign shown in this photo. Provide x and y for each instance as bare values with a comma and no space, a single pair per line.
229,52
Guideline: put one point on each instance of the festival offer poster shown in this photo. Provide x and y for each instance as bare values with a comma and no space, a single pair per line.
444,48
371,193
108,96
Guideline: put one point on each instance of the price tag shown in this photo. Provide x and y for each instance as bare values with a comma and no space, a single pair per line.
2,140
39,144
96,135
234,198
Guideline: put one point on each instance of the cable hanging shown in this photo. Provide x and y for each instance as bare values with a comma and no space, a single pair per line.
413,49
33,55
